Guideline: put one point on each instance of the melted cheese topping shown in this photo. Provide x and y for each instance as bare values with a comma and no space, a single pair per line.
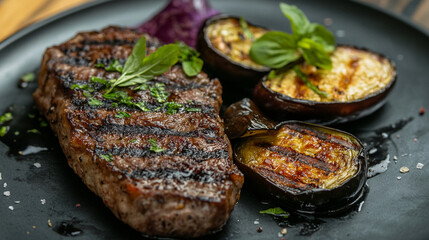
228,37
355,75
305,160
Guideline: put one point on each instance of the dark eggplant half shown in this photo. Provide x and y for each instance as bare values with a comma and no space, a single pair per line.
244,118
357,85
224,46
307,168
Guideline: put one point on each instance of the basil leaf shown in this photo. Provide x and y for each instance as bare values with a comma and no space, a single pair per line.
160,61
277,211
299,22
191,63
137,55
320,34
274,49
193,67
314,53
155,64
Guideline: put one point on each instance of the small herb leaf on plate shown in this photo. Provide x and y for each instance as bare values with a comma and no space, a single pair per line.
277,211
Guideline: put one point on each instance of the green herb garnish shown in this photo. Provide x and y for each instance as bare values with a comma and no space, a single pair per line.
172,107
158,92
154,146
28,77
308,83
142,106
309,41
134,140
246,29
43,123
4,130
6,117
107,157
31,116
33,131
16,133
139,68
122,115
193,109
277,211
94,102
191,63
103,81
83,87
115,66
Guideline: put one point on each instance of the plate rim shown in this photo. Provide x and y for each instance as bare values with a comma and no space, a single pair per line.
92,4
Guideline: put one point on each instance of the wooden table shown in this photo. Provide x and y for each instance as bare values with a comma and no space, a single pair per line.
17,14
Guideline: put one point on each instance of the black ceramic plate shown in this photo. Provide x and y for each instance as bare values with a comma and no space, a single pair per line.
392,209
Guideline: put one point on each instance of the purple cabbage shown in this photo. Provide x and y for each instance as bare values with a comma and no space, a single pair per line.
179,20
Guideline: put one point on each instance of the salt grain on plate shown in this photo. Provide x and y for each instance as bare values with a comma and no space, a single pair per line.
37,165
372,150
43,201
17,202
419,165
4,185
0,176
398,177
11,208
6,193
384,135
256,222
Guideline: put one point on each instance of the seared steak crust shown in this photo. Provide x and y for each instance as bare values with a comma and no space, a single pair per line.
187,190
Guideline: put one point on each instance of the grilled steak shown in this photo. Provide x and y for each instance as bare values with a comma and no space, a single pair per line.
187,190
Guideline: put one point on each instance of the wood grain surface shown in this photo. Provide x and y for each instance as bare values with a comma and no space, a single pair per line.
18,14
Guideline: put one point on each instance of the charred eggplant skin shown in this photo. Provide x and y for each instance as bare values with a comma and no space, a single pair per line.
233,74
244,118
314,201
282,107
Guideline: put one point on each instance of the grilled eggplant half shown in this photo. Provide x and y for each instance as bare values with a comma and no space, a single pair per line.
224,43
308,168
356,86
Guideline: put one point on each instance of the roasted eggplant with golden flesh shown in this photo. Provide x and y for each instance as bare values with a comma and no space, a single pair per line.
356,86
224,43
307,168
